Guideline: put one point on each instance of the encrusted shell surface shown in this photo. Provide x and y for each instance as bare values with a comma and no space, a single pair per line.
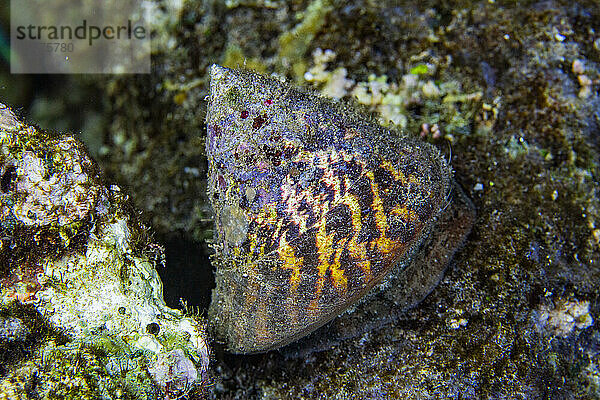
314,205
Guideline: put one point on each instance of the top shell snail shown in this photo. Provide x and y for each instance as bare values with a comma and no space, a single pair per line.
314,206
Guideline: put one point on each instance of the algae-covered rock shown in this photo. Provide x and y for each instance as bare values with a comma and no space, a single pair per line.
82,313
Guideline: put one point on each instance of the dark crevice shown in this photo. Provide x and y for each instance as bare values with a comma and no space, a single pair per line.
9,175
188,274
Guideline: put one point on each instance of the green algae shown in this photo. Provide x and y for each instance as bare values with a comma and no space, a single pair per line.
294,44
234,58
420,69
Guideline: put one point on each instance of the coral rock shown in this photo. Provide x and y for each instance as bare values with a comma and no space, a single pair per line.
77,263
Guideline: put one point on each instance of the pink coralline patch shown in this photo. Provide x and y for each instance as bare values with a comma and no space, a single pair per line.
222,183
175,373
21,284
